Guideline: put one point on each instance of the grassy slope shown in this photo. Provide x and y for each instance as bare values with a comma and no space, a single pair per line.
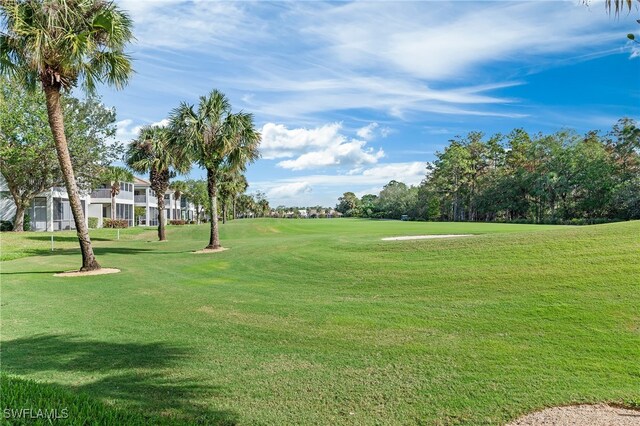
318,321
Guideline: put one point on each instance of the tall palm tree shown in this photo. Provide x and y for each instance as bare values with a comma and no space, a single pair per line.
113,175
179,188
58,44
217,138
152,153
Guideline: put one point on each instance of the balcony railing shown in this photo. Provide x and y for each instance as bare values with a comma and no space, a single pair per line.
101,193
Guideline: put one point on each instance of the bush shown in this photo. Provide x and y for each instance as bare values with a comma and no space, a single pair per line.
115,223
26,226
192,222
6,225
177,222
93,222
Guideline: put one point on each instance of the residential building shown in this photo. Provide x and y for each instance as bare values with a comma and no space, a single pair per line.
100,205
50,210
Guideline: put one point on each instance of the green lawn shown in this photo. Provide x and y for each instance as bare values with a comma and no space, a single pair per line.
321,322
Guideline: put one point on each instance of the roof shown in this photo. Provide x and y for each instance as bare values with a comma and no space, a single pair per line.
140,181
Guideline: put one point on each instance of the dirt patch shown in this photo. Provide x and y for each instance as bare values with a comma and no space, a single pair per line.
204,251
585,415
425,237
101,271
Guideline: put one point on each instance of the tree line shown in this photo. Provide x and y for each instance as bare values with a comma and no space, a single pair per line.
562,177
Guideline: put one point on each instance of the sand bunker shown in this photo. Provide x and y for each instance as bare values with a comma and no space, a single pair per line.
101,271
424,237
586,415
204,251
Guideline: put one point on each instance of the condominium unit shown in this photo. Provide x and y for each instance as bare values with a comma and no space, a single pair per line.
50,210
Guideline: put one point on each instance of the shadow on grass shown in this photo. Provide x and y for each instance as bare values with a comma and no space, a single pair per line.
134,374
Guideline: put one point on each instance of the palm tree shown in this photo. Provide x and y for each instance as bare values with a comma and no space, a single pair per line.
152,153
231,182
216,138
59,43
179,188
114,175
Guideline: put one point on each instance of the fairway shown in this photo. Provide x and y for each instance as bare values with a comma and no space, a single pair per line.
322,322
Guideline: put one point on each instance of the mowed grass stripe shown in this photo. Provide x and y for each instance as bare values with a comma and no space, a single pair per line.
320,322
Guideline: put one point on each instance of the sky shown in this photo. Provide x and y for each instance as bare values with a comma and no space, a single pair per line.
351,95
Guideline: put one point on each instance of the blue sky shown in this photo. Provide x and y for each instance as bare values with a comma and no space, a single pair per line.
349,96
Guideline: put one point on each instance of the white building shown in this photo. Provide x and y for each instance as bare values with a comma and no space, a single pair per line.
100,203
50,210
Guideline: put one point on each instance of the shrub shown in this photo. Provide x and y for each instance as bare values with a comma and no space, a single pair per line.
115,223
6,225
192,222
93,222
177,222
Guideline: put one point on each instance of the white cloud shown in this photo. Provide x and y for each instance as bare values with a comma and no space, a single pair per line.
162,123
289,190
368,132
314,148
126,131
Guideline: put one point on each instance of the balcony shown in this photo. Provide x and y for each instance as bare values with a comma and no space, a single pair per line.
101,193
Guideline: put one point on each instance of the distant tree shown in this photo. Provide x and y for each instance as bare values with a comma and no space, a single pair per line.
179,188
231,183
349,204
197,193
58,43
368,205
216,138
397,199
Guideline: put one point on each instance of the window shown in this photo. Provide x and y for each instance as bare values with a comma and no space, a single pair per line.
62,215
126,187
38,214
125,211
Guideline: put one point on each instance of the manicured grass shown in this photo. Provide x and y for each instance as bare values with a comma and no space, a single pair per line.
321,322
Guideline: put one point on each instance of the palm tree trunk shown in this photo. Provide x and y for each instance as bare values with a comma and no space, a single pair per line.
56,122
214,239
161,219
113,208
224,212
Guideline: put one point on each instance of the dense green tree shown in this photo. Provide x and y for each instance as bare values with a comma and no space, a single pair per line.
349,205
59,43
28,159
537,178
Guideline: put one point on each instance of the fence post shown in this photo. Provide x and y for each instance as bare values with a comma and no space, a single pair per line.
51,242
